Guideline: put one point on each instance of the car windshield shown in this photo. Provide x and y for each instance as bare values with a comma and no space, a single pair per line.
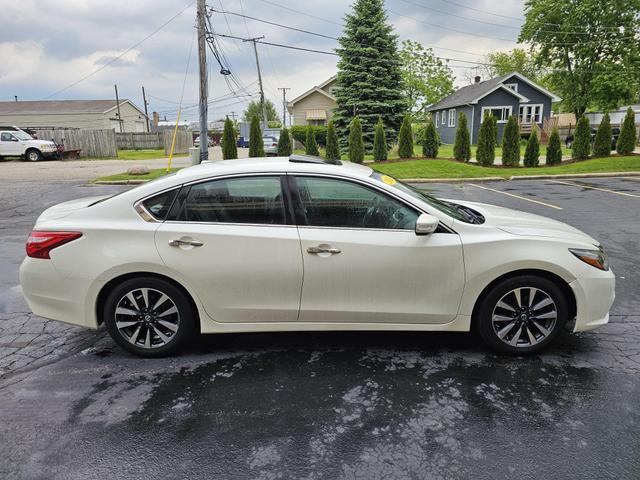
445,207
22,135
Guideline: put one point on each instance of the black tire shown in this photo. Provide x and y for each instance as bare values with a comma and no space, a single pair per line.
154,338
33,155
544,331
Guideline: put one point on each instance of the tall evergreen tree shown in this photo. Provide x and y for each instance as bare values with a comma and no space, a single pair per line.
554,149
431,143
486,152
581,140
405,139
532,152
462,145
627,139
310,144
511,143
356,143
332,151
229,146
284,143
256,146
602,143
369,78
380,142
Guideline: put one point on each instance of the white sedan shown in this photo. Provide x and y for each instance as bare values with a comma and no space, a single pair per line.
292,244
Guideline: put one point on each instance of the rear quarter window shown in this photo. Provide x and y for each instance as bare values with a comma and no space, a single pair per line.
159,205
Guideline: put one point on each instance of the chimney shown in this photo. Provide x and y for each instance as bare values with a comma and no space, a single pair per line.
156,119
477,79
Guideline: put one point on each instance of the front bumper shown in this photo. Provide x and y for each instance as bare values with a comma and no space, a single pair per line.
594,294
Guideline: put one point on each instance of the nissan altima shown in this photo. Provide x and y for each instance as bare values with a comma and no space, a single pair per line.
293,244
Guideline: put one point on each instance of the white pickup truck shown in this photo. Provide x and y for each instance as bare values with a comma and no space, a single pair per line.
18,143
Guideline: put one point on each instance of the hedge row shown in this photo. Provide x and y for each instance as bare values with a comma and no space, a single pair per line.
299,133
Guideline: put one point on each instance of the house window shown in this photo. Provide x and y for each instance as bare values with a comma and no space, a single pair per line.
452,117
501,113
444,118
530,114
512,86
437,119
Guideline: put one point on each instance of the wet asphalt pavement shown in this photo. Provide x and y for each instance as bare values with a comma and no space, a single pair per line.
328,405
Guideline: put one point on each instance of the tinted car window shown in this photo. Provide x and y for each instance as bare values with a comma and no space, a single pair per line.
160,204
329,202
236,200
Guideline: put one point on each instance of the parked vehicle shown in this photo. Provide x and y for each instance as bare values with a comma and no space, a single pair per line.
196,142
270,145
15,142
615,133
295,244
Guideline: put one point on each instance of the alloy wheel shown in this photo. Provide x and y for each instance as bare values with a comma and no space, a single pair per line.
147,318
524,317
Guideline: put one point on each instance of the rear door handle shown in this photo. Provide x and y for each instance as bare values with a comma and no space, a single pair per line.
323,249
180,242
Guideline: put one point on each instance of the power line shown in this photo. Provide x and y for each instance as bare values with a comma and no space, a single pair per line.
301,13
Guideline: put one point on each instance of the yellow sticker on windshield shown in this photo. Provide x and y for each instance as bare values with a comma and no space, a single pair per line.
388,180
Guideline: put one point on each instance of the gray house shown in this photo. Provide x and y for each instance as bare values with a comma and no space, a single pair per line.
512,94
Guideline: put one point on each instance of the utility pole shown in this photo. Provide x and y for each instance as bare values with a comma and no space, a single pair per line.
262,104
284,105
233,115
202,61
146,113
118,105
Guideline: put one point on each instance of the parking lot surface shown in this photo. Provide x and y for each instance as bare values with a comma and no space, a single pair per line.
328,405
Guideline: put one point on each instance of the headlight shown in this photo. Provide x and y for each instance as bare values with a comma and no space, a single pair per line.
595,258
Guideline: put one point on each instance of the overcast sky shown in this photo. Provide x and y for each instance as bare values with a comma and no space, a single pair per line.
48,45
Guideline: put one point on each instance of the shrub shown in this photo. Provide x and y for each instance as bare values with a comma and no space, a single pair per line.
256,147
581,140
602,143
554,149
486,152
494,129
462,145
284,143
511,143
405,139
532,152
332,152
310,144
356,143
229,146
430,144
627,139
299,133
380,147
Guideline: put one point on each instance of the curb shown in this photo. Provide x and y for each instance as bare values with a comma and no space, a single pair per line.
453,180
119,182
576,175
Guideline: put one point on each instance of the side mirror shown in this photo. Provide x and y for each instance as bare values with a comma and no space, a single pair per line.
426,224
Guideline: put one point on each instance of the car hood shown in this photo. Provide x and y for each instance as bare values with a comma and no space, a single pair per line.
516,222
65,208
41,143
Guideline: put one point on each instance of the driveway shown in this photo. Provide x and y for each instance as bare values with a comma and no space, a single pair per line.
328,405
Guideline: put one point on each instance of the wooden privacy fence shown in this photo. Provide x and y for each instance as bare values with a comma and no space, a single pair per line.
139,141
93,143
184,140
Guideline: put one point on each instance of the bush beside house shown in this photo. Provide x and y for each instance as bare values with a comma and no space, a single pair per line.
511,143
554,149
462,145
332,151
602,143
627,139
405,139
486,151
356,142
310,144
379,142
581,147
284,143
431,143
532,152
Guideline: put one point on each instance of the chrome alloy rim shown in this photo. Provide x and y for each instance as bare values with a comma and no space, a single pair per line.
524,317
147,318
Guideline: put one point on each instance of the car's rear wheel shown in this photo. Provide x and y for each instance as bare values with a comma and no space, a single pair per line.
33,155
522,315
149,316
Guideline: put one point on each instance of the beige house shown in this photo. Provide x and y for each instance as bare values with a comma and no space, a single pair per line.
315,106
99,114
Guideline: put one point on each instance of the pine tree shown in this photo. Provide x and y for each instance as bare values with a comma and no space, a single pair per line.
532,152
431,143
310,144
486,152
494,129
511,143
380,142
405,139
369,80
229,146
256,146
462,145
332,151
554,149
627,139
284,143
581,139
356,143
602,143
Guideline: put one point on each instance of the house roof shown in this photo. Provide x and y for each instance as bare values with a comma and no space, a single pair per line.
473,93
317,88
41,107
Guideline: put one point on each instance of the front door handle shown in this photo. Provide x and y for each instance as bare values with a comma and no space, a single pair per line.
188,243
323,248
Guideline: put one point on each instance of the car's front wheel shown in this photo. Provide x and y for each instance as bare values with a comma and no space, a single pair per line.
149,316
522,315
33,155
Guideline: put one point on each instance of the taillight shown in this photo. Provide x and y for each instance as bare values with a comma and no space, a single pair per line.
39,244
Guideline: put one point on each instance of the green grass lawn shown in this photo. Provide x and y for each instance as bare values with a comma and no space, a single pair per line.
145,154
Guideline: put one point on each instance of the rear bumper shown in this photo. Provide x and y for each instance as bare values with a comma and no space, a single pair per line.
594,296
